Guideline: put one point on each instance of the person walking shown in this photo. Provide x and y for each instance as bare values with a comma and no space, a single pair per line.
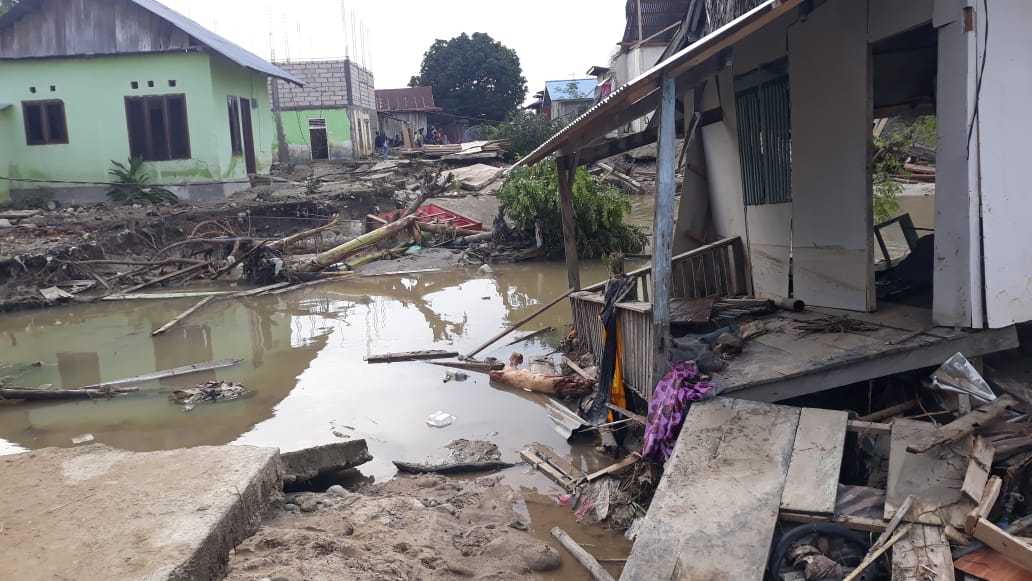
381,141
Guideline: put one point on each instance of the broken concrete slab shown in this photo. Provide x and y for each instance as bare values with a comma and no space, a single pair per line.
476,177
99,513
309,463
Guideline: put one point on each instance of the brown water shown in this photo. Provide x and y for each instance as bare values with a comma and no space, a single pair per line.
303,360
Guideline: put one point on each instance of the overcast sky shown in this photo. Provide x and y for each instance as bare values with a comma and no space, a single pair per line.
556,40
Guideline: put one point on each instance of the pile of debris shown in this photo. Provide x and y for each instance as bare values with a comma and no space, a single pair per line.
207,392
473,150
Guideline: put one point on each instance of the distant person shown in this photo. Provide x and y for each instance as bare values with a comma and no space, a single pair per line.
419,138
381,142
397,140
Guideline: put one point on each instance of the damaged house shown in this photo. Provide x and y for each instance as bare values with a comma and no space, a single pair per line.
87,83
403,112
333,116
776,102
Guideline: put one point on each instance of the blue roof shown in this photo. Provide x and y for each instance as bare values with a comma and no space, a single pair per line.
216,43
571,90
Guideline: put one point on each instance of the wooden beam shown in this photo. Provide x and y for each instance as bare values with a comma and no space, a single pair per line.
1007,544
663,230
977,475
990,494
598,572
966,424
567,166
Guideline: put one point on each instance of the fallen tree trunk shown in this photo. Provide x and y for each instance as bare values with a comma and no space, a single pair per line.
285,242
338,254
558,385
29,394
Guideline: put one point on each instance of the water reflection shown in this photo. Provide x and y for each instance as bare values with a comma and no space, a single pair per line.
303,359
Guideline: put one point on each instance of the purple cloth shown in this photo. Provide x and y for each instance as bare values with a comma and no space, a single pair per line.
669,406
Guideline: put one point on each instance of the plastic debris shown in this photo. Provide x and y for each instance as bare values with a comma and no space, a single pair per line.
440,419
82,439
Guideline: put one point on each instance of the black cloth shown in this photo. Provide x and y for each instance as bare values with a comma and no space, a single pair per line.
381,140
615,292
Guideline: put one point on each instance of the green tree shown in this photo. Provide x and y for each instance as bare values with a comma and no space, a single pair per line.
531,197
6,5
523,132
473,76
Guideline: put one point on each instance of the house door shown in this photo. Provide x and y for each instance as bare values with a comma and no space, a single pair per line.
245,121
318,139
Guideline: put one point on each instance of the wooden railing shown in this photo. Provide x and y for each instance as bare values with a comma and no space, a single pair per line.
717,269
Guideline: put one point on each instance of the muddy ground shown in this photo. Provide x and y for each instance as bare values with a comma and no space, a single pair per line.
411,527
65,242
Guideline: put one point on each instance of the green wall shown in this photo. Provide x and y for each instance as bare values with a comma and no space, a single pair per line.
6,145
93,91
338,130
230,79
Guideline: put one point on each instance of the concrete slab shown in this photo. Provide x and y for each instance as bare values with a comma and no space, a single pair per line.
309,463
476,177
99,513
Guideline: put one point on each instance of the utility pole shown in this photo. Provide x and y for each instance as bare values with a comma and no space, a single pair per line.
282,152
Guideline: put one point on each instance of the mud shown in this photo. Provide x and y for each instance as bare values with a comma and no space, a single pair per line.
409,528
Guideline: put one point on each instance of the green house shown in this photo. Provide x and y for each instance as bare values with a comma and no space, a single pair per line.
88,82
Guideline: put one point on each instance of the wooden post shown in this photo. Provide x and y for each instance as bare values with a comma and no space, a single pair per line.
567,165
663,230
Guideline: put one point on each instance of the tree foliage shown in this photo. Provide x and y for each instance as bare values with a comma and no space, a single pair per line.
523,132
6,5
891,153
531,196
473,76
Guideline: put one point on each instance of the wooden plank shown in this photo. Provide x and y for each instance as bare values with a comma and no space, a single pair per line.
1019,390
548,469
856,523
978,468
933,479
868,427
598,572
730,460
615,468
763,373
411,356
175,371
663,232
965,425
200,304
813,474
990,494
922,554
1007,544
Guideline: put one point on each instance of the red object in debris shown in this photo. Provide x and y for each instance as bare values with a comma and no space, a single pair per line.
434,214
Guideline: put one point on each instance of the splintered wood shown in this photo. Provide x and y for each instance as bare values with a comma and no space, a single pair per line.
923,553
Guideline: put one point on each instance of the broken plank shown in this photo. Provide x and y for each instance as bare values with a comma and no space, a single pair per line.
549,470
934,478
166,296
53,294
471,366
627,414
813,474
966,424
923,553
176,371
577,368
877,552
978,468
200,304
259,290
1007,544
37,394
451,468
869,427
986,500
615,468
410,356
730,460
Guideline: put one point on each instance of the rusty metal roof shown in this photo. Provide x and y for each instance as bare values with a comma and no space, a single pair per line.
656,15
216,43
408,99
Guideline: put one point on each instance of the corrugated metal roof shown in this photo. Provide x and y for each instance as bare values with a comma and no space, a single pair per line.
655,16
216,43
572,89
589,125
408,99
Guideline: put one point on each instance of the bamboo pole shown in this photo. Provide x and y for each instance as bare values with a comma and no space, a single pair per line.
169,276
285,242
200,304
597,571
335,255
519,324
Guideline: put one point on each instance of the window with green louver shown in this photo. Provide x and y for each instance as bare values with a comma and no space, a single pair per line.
765,135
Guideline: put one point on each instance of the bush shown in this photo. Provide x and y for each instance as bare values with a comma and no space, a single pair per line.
131,187
531,195
891,153
524,132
